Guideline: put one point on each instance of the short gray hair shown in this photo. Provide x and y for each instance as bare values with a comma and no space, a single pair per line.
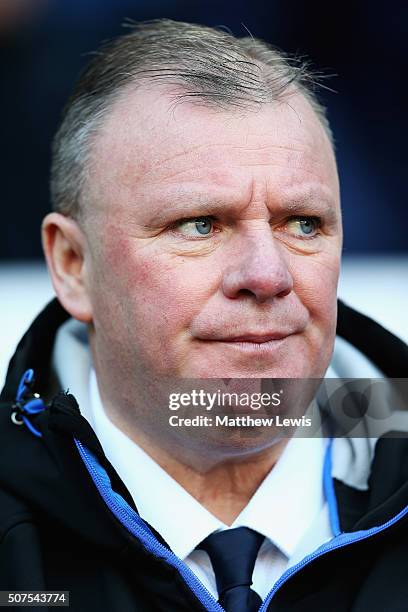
210,66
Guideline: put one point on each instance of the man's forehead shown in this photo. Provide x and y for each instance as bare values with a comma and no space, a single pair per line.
151,135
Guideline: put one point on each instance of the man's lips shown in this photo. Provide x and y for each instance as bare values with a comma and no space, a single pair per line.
257,337
250,344
253,345
254,338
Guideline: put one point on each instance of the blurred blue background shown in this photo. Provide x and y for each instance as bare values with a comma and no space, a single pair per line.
44,44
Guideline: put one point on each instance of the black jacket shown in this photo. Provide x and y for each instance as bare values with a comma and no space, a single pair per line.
62,527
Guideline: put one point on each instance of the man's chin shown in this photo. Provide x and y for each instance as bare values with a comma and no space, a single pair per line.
207,448
230,371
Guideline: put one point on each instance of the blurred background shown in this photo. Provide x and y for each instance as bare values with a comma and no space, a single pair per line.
45,43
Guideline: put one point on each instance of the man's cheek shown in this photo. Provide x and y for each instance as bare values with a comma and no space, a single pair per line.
316,283
316,288
158,298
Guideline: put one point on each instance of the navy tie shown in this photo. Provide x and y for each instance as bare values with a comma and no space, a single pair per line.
233,553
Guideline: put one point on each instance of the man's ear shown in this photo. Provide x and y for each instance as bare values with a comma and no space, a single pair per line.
64,248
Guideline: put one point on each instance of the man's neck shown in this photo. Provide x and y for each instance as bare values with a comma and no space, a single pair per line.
224,489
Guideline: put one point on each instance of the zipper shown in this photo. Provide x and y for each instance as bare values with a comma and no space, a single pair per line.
137,527
340,541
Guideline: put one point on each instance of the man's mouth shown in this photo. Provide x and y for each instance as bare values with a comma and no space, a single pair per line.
255,338
265,343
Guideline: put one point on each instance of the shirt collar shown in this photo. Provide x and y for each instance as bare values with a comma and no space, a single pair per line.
291,495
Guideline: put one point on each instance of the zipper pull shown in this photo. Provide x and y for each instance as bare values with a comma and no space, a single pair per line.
27,403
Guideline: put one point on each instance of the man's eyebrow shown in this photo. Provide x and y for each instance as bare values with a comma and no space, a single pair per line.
311,205
199,205
190,207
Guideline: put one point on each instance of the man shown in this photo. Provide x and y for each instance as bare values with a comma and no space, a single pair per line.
196,234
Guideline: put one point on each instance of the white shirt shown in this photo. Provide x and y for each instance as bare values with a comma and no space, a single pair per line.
288,508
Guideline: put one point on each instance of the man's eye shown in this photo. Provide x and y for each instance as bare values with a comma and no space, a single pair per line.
304,227
195,227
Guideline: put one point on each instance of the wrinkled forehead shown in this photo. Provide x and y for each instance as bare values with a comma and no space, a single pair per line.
151,137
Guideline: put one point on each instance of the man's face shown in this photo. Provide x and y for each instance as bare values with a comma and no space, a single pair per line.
214,241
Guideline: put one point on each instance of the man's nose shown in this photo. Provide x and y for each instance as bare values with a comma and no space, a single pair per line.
257,268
